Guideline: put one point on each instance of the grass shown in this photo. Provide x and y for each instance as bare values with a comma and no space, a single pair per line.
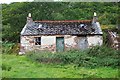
0,64
21,67
108,26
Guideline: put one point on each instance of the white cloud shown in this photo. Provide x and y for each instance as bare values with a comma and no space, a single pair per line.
9,1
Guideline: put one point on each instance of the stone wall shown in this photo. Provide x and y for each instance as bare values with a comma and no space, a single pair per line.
27,43
95,40
82,42
49,42
70,42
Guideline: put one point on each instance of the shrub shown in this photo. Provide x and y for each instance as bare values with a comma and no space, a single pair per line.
104,56
94,57
9,48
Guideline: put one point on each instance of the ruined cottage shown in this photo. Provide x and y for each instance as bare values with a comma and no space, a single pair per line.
60,35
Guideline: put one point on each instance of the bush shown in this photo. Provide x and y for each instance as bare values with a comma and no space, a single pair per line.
9,48
94,57
104,56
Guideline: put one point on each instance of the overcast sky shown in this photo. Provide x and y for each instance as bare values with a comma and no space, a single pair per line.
9,1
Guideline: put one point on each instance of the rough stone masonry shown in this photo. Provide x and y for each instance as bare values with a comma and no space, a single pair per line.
60,35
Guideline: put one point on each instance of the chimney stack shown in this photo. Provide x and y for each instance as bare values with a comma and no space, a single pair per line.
29,18
95,14
29,15
95,19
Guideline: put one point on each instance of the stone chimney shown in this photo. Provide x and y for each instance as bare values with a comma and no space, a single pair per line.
95,19
29,18
95,14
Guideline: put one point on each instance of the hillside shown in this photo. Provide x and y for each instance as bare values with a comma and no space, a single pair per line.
14,14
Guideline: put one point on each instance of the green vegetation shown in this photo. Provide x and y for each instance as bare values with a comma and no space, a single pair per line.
15,66
0,65
97,62
94,57
14,14
8,47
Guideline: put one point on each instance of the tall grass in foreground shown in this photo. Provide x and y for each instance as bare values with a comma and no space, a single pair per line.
94,57
15,66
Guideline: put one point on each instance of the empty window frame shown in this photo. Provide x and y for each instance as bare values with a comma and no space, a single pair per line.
37,40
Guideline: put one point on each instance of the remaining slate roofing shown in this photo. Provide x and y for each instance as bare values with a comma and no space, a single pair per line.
73,27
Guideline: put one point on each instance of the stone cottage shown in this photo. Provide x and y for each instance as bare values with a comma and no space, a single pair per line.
60,35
